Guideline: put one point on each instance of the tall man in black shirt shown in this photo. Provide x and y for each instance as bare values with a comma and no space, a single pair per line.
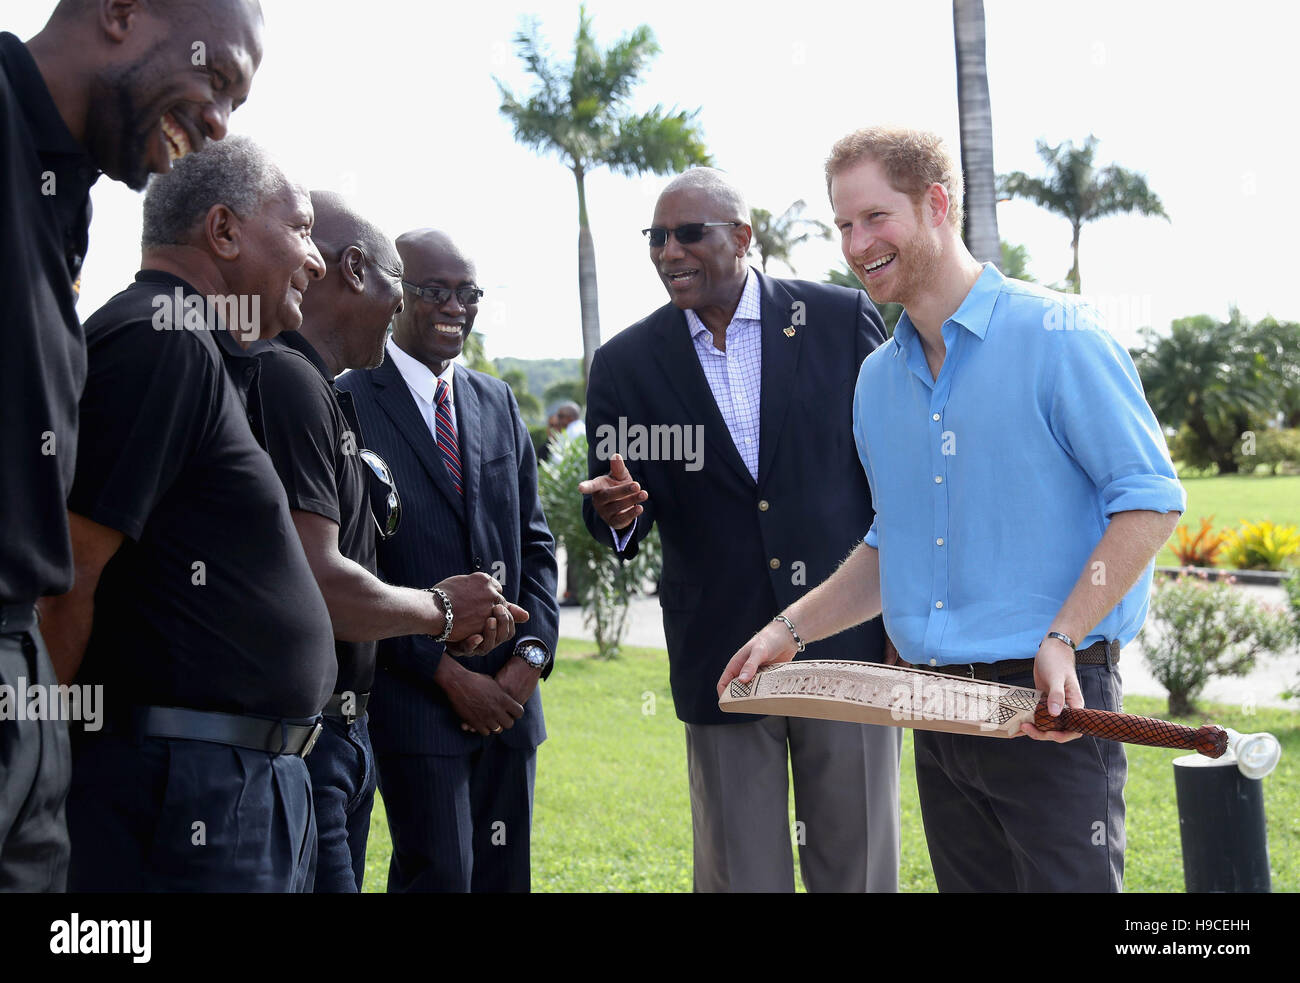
111,87
194,603
311,431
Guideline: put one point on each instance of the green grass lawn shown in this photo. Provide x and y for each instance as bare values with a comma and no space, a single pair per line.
612,811
1233,497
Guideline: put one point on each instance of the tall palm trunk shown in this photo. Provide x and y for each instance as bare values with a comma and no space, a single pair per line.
976,113
586,279
1073,276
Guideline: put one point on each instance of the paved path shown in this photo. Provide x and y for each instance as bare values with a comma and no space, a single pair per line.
1262,687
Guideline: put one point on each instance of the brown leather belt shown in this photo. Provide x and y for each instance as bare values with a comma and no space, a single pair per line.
1097,654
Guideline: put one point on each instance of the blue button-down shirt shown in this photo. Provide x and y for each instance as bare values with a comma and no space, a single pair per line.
994,483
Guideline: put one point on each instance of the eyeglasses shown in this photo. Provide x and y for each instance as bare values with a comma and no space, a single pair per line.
467,294
687,234
383,492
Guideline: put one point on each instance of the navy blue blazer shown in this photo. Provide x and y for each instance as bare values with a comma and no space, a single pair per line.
737,551
497,527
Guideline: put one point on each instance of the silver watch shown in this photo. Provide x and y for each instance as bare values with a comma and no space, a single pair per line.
534,654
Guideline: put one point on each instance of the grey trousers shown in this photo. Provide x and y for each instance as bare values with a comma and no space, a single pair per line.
35,768
1026,815
846,805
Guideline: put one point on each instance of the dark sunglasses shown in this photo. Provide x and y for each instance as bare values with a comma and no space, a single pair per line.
467,294
687,234
383,493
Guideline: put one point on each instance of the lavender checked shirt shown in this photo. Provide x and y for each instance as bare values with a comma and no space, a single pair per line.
734,376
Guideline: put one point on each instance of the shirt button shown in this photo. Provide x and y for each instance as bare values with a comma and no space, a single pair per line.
934,662
938,479
938,604
774,563
763,506
748,440
935,417
939,541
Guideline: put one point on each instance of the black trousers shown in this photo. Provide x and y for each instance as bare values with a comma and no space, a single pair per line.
1026,815
34,772
163,814
460,822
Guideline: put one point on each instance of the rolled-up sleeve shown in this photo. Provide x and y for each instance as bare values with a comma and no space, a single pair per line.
1100,415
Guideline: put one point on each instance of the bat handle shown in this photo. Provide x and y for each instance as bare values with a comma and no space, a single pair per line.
1129,728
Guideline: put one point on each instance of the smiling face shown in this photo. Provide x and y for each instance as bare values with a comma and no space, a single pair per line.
277,259
434,333
378,305
706,274
172,87
888,239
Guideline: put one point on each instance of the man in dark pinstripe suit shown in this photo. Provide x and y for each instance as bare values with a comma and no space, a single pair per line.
456,737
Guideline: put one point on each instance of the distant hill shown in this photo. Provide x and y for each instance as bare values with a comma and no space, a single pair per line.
542,372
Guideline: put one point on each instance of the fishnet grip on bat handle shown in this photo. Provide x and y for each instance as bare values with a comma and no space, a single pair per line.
1208,740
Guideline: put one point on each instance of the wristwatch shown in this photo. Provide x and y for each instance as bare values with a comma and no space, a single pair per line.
534,654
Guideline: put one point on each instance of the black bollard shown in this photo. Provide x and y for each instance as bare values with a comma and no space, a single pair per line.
1221,819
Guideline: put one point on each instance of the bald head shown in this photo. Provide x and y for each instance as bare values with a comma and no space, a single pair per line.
714,186
188,11
346,315
418,244
434,324
339,225
141,83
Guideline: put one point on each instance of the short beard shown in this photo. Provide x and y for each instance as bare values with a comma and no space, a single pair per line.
117,133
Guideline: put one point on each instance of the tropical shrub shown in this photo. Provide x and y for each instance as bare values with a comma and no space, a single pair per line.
1197,630
605,583
1260,546
1199,549
1273,449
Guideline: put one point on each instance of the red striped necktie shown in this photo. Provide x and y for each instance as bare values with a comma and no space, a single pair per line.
447,436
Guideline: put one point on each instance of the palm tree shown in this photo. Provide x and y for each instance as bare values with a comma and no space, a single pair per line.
776,236
1075,189
976,114
579,112
1210,377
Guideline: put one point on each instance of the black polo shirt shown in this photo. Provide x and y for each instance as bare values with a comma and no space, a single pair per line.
210,603
310,430
45,179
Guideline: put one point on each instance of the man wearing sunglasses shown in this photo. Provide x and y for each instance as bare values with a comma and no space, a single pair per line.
331,479
456,734
766,369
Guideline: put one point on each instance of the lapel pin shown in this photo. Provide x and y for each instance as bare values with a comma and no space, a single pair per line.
789,332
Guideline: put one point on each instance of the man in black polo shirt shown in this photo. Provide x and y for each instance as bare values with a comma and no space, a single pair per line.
311,431
195,606
98,89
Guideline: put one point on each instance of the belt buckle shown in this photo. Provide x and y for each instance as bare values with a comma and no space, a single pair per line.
311,741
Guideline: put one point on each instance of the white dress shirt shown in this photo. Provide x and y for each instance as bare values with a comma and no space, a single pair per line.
423,385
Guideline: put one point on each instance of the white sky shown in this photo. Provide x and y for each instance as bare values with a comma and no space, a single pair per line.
392,102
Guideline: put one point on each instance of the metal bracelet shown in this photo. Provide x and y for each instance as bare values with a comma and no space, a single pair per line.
1061,637
789,624
442,597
